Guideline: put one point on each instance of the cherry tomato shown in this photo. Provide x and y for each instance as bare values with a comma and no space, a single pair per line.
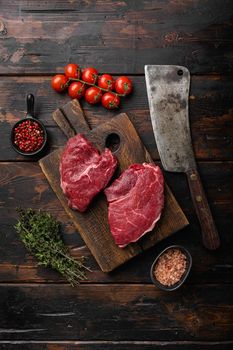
123,85
110,100
72,70
106,81
93,95
89,75
58,82
76,90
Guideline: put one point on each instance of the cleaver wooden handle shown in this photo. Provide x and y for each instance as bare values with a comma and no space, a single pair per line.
210,235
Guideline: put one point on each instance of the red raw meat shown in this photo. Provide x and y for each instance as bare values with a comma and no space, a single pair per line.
84,171
136,200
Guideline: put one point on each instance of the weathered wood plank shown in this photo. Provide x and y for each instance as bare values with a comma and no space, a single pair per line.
40,36
116,312
24,184
114,345
211,113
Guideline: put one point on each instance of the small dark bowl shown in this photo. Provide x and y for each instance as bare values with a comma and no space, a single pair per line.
29,116
183,278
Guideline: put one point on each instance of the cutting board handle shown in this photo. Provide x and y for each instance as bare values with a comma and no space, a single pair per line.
71,119
210,235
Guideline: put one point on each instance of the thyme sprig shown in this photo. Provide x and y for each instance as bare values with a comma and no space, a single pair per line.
40,233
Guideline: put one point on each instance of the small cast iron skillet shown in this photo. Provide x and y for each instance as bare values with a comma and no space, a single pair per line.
183,278
29,116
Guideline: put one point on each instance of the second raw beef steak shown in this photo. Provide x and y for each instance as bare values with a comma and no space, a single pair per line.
136,200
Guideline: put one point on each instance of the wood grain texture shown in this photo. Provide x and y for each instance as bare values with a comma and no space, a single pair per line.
39,37
17,265
116,312
115,345
211,114
119,36
93,224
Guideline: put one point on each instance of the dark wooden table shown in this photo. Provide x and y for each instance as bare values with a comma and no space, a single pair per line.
121,310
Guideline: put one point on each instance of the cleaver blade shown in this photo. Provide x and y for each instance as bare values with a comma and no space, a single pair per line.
168,95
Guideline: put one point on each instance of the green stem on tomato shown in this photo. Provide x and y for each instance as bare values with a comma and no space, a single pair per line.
85,83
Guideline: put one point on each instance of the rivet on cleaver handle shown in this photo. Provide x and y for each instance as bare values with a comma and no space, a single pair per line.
168,93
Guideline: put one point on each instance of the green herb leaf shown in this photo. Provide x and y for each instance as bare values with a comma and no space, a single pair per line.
40,233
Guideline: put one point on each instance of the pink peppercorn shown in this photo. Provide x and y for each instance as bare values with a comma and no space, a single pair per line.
28,136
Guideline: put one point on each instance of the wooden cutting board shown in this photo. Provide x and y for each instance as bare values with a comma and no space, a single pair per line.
93,224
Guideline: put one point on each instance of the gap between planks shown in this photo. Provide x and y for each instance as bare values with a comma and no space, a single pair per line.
102,284
107,283
50,74
114,342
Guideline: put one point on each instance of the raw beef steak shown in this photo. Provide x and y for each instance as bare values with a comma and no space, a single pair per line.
84,171
136,200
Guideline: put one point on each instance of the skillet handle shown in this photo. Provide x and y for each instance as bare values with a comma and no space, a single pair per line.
210,235
30,106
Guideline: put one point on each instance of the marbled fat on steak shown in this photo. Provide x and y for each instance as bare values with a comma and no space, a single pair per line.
84,171
136,200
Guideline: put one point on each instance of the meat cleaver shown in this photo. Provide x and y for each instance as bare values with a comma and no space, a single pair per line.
168,94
